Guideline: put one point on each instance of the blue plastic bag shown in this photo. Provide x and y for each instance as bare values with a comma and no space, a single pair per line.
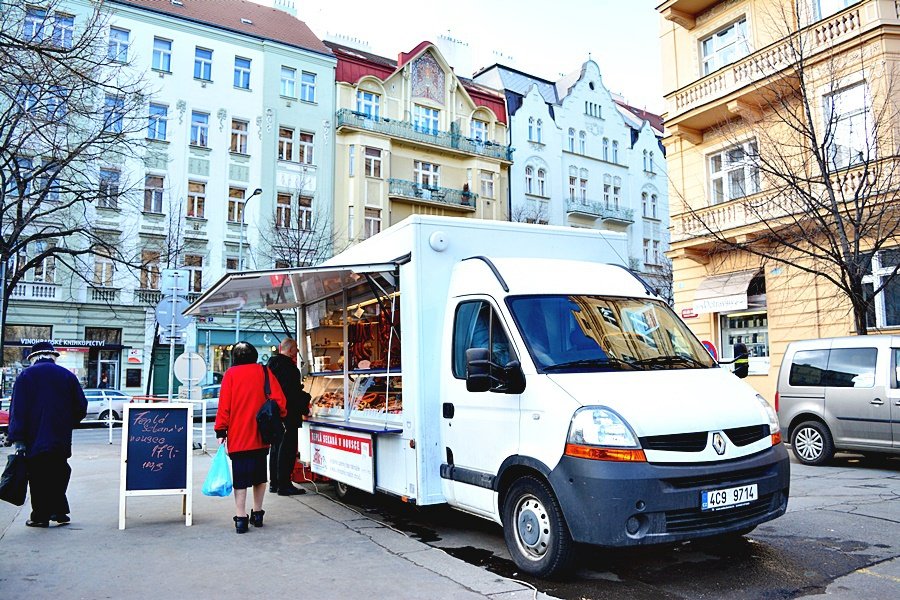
218,481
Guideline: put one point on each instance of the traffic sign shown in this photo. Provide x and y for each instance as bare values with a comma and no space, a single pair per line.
165,309
179,338
190,368
174,282
187,392
711,348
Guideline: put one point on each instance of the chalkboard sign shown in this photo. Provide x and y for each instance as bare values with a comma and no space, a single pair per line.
156,452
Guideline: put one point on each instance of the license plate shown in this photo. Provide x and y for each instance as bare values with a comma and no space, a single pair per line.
716,499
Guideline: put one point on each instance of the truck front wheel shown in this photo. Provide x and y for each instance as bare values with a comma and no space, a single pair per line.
536,533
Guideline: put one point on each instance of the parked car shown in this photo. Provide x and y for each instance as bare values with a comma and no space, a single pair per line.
4,428
211,395
103,403
840,394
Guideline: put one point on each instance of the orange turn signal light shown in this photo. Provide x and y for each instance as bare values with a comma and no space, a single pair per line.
610,454
776,438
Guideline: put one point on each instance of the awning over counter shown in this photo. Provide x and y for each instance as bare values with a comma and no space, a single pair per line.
280,288
723,293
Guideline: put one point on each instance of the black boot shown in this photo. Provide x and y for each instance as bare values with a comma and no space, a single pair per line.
242,524
256,517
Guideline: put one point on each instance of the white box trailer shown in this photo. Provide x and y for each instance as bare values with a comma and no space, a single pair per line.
521,373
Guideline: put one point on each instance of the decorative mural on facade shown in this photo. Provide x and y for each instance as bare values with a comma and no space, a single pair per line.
428,79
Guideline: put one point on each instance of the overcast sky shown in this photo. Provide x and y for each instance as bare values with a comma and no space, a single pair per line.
541,37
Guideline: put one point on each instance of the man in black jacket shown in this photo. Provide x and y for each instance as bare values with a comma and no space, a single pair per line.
283,454
47,403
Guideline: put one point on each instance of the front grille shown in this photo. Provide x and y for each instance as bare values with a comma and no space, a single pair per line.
744,436
677,442
694,519
717,480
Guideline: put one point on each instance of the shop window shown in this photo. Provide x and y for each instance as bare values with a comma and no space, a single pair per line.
749,327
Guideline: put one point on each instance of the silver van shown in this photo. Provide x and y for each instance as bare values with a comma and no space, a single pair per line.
840,394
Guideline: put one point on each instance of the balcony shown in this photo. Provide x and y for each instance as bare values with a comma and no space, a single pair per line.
154,297
106,295
736,90
410,132
684,12
446,197
29,290
597,210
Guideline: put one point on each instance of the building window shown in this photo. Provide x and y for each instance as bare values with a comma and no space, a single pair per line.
373,162
231,263
306,148
427,174
203,64
373,222
153,193
288,82
113,114
529,180
350,223
162,55
104,268
283,210
582,188
368,104
541,180
733,173
478,130
199,129
617,192
159,117
540,131
750,329
63,30
305,215
194,265
235,205
645,205
826,8
606,149
239,136
118,45
33,26
653,206
646,251
242,73
45,270
351,160
47,180
531,136
581,142
645,161
849,127
655,256
487,184
573,184
615,151
426,119
196,200
652,166
149,270
308,87
724,47
109,189
23,167
285,143
571,140
885,308
607,190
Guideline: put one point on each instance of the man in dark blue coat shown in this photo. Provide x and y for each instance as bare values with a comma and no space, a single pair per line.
47,403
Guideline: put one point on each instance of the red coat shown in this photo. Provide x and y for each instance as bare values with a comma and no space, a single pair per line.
240,398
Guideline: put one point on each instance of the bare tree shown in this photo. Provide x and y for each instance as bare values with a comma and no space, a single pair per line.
298,234
68,104
523,213
810,160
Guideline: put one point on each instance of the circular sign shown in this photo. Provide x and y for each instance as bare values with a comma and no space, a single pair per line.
190,368
711,348
165,310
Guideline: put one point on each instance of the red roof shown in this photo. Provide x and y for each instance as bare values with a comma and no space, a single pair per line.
656,121
354,64
240,16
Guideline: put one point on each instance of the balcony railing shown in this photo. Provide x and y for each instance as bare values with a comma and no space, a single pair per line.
771,60
409,131
28,290
104,294
599,210
441,195
154,297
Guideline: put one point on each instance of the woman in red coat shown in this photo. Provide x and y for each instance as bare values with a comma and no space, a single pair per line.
240,398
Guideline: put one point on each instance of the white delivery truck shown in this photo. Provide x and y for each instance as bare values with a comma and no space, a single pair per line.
510,371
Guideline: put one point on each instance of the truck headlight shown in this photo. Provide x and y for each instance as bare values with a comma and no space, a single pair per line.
774,426
598,433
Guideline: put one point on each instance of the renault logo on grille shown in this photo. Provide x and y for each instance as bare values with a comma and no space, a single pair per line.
719,443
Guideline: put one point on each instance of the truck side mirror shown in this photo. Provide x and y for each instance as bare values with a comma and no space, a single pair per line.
478,370
515,378
741,360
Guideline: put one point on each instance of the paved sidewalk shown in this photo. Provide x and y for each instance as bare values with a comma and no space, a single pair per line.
310,547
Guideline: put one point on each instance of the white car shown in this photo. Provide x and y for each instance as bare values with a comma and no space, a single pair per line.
211,395
104,404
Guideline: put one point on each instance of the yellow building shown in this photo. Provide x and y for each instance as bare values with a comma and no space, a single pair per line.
774,107
413,138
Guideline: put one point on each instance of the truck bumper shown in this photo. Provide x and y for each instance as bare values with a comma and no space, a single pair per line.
631,504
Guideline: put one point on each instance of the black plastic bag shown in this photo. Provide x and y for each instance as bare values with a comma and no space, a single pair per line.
14,481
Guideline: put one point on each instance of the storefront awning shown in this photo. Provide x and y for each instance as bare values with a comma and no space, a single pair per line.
723,293
280,288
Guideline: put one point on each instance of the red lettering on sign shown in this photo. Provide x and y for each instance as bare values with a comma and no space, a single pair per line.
340,441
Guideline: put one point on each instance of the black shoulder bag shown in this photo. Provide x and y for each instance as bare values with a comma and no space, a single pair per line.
268,419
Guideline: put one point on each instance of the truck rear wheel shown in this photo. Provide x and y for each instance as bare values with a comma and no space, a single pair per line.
536,532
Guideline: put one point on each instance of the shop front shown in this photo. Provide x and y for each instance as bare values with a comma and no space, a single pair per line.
215,345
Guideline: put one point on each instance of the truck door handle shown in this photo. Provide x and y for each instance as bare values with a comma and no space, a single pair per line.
877,401
448,410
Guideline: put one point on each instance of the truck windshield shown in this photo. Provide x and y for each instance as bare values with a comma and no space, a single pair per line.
577,334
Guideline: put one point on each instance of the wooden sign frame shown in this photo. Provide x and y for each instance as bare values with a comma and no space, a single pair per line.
150,429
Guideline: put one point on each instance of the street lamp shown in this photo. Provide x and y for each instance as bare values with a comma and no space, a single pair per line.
237,318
